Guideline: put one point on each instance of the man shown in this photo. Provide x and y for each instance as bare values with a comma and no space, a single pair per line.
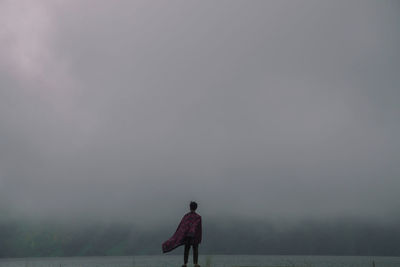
188,233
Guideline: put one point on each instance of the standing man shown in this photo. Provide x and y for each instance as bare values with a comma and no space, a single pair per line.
188,233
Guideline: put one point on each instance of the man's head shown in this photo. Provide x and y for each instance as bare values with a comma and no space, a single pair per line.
193,206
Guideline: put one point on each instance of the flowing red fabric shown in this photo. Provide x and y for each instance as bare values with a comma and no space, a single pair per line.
189,227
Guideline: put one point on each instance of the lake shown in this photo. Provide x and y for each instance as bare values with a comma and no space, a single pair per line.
206,260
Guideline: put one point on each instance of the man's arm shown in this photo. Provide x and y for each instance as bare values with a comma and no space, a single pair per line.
200,230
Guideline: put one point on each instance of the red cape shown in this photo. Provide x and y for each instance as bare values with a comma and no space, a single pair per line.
190,226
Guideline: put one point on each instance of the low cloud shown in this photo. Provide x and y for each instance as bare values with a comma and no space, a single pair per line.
129,110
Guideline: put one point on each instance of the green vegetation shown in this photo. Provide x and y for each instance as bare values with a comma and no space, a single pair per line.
37,239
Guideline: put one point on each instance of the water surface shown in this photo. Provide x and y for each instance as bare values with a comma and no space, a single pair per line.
204,260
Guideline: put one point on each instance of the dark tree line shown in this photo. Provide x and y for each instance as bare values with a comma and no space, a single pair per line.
339,238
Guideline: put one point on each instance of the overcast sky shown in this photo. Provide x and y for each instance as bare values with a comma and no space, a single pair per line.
261,109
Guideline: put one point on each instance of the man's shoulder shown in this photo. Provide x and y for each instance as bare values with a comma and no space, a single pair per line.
192,214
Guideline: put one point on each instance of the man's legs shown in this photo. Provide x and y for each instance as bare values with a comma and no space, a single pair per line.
195,253
186,254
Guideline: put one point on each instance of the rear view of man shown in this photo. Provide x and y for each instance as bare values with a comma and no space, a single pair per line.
188,233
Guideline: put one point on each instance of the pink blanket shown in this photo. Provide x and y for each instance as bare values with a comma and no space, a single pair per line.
189,227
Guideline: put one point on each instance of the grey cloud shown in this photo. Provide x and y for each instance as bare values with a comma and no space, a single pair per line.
269,110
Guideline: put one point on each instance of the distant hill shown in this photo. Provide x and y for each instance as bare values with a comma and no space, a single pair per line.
34,239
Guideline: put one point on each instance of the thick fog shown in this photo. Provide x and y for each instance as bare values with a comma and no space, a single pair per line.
270,110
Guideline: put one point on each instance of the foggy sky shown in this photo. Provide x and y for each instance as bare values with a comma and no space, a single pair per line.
127,110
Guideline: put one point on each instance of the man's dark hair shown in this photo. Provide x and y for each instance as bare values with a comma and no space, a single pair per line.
193,205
